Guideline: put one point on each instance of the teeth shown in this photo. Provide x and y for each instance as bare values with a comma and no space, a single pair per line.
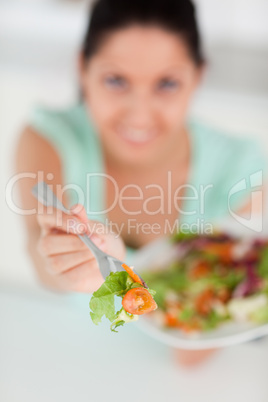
136,135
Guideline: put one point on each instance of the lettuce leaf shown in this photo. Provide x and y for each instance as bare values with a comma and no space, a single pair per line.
102,301
263,265
122,317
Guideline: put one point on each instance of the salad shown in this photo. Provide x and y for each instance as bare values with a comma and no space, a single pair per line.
134,298
215,279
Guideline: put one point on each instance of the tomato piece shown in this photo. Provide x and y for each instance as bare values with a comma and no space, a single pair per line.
138,301
222,250
201,270
132,274
204,301
224,295
171,320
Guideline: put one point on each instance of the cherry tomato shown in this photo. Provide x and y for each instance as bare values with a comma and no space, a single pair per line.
138,301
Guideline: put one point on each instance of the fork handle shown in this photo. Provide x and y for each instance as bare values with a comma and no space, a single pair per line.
45,196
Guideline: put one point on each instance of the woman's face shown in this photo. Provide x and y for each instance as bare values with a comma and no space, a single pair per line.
138,87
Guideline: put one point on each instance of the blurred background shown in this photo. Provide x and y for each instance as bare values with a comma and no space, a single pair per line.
39,44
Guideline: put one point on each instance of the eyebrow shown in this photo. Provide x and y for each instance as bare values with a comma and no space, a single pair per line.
167,70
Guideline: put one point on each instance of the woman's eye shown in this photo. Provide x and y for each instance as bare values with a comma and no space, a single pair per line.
115,82
168,85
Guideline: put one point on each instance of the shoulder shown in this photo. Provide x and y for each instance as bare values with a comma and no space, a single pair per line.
209,137
53,121
227,152
69,131
34,160
229,163
33,151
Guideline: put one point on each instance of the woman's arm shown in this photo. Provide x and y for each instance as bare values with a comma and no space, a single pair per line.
35,154
61,259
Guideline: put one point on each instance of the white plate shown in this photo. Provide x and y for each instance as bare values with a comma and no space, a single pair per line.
226,335
158,254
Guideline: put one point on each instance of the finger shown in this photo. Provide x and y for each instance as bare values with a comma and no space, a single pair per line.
79,211
61,221
56,264
55,231
52,244
85,278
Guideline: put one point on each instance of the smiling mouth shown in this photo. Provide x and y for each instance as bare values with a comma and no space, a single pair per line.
137,136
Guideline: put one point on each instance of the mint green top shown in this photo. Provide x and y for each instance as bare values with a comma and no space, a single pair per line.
218,160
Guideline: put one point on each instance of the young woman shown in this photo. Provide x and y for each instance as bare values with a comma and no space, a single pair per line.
128,145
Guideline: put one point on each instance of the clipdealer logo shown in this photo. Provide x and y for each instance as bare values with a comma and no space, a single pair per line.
255,220
164,200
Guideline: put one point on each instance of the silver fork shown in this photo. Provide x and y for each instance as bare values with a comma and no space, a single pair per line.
106,262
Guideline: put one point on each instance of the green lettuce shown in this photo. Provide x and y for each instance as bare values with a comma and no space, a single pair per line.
102,302
263,265
122,317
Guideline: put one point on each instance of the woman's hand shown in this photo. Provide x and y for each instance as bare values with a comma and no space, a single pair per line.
67,258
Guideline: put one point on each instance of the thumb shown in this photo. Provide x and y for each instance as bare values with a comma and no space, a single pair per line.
79,211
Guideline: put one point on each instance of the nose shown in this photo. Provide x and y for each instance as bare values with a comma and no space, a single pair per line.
140,110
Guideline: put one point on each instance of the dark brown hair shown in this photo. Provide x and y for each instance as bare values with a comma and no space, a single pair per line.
177,16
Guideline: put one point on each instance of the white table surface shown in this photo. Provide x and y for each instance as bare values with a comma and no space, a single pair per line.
50,351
